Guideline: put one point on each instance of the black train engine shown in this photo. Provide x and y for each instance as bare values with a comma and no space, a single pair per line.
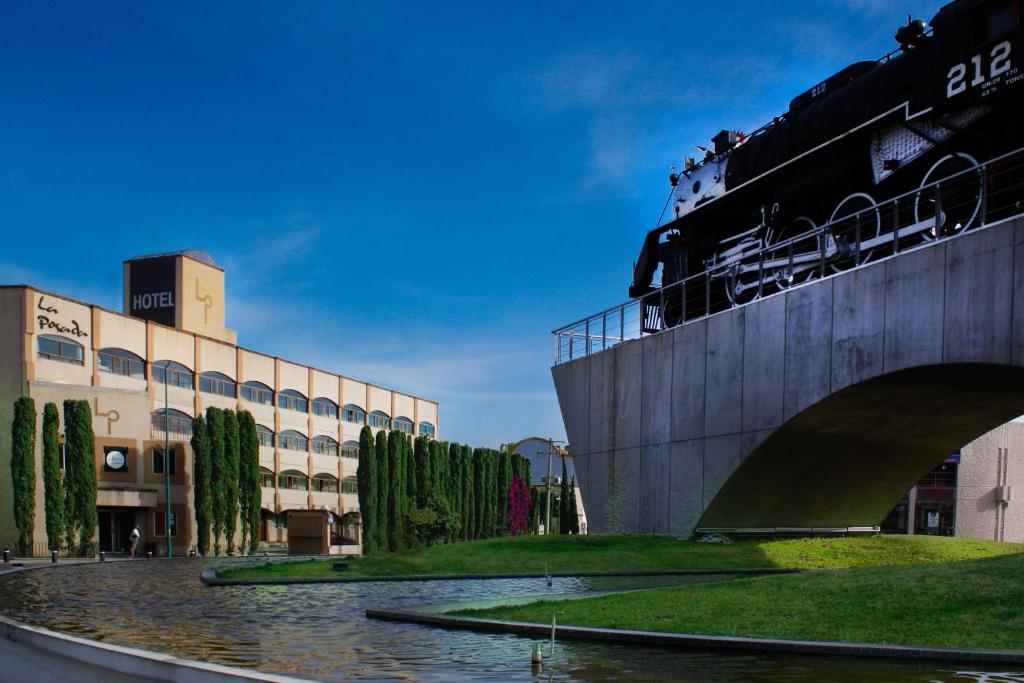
947,100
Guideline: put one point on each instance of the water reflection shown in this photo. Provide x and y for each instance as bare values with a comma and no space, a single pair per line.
319,630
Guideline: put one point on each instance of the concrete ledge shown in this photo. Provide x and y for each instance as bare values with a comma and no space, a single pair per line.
30,653
702,642
210,578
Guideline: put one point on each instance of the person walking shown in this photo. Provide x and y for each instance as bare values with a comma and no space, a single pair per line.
134,536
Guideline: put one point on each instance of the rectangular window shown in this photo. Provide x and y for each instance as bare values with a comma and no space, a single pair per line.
120,365
214,385
266,437
325,409
115,459
266,479
294,482
352,414
171,377
325,485
350,450
292,442
158,462
349,485
160,525
258,395
292,403
64,351
325,447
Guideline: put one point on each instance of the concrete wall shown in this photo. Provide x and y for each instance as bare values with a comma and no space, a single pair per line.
35,654
816,407
996,459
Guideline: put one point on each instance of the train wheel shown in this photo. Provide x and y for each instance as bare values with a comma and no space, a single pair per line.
958,200
853,226
742,278
793,252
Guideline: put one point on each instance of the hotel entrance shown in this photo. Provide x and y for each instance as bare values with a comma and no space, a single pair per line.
115,527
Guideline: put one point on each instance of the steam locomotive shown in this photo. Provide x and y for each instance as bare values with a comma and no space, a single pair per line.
948,99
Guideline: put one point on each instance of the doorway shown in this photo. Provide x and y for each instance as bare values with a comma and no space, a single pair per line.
115,526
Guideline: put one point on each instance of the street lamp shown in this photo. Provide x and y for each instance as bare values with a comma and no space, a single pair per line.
167,476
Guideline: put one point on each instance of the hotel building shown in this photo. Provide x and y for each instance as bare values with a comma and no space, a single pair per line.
171,340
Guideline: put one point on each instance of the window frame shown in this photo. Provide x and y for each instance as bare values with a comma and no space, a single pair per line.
58,354
264,473
349,446
172,460
349,486
324,477
284,437
350,410
319,403
403,424
159,515
118,361
379,419
218,384
261,432
179,373
254,392
322,440
427,429
288,475
287,397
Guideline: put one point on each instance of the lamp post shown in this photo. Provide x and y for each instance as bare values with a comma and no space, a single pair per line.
167,476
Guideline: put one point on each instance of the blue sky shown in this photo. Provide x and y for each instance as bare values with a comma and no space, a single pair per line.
413,194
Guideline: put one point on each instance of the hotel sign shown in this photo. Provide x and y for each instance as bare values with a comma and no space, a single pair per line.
151,293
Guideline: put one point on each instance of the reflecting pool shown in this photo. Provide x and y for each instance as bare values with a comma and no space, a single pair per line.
319,631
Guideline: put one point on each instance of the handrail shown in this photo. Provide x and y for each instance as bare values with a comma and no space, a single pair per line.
993,188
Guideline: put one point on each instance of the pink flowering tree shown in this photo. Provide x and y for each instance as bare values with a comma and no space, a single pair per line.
518,506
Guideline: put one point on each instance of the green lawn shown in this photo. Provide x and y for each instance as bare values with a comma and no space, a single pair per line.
564,554
975,603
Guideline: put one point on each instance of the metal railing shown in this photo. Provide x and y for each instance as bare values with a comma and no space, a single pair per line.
758,263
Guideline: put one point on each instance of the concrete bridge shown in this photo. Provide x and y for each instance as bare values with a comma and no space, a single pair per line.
817,407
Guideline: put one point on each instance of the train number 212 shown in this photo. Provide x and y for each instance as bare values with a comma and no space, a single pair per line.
1000,63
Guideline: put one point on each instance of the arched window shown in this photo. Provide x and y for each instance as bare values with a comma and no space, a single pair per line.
178,424
266,478
403,424
325,445
217,383
380,419
325,407
257,392
292,400
266,435
325,483
171,373
350,449
350,485
121,362
61,348
292,440
426,429
294,480
353,413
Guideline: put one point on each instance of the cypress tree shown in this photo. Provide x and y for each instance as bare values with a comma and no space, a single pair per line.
439,467
468,504
366,478
504,485
383,517
23,471
574,520
421,453
409,457
201,486
396,491
53,485
232,472
479,492
80,450
563,501
412,484
70,486
455,486
218,473
249,481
